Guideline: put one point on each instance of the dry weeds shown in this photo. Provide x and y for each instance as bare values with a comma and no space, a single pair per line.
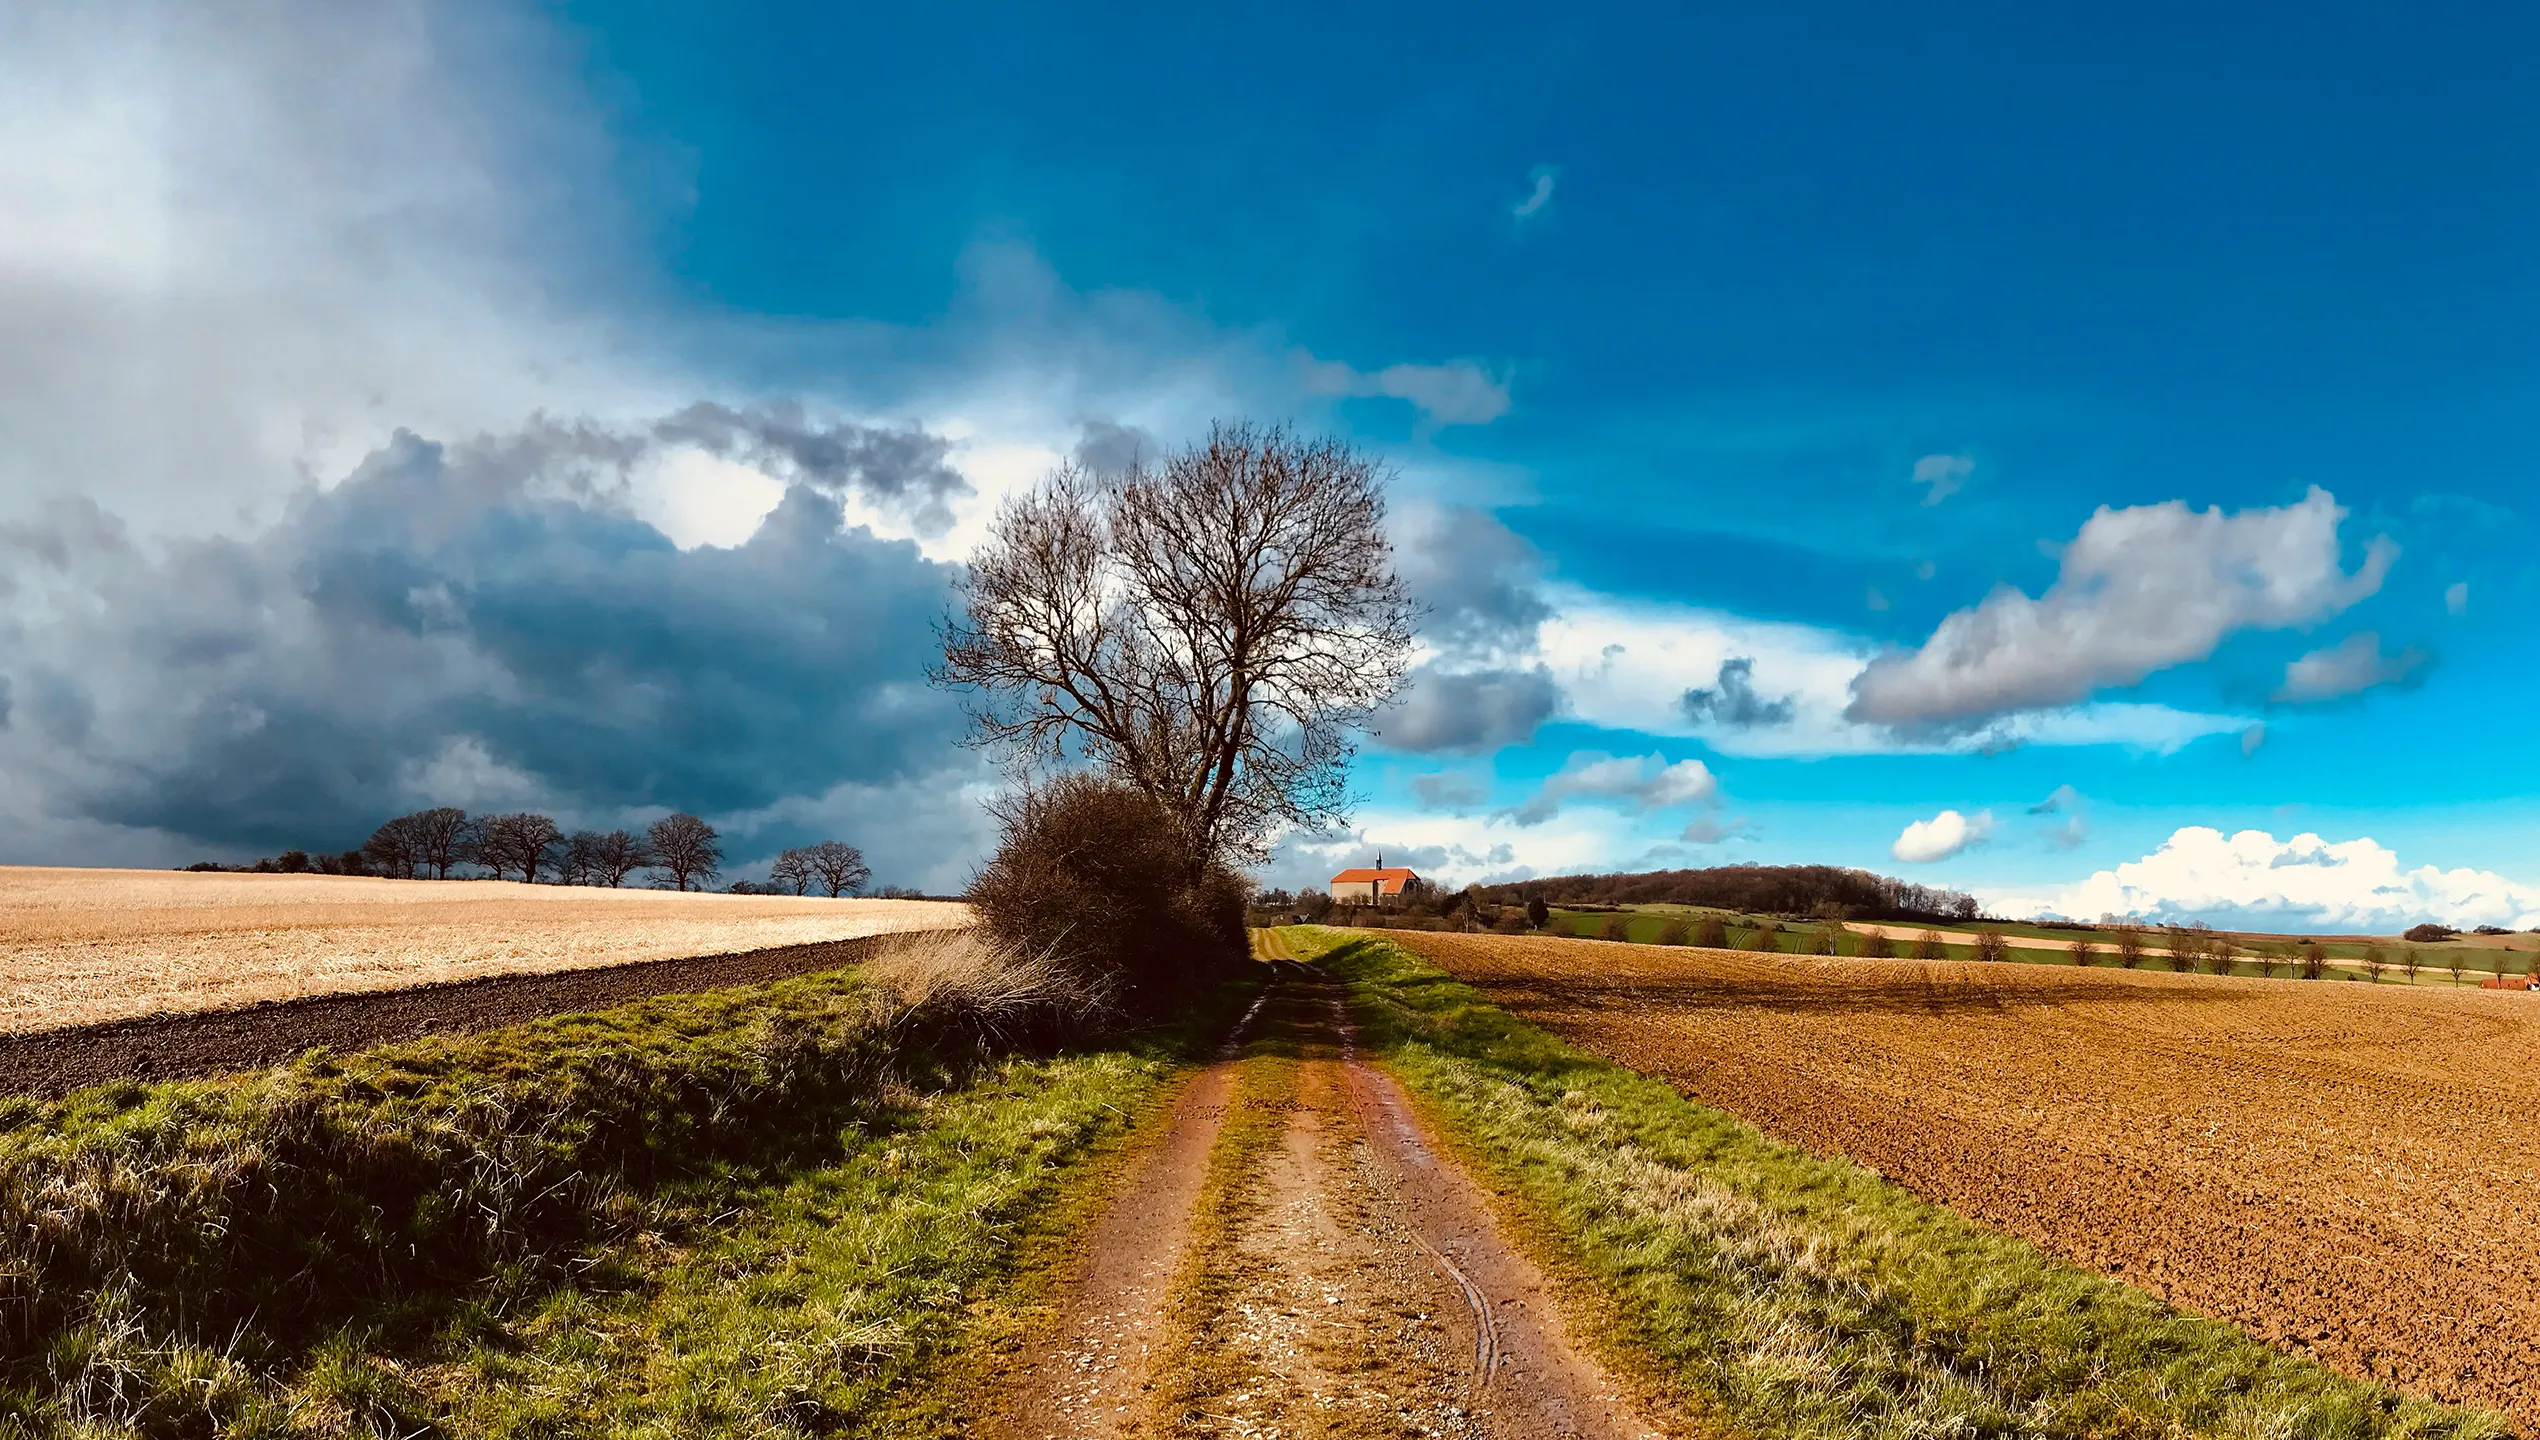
82,946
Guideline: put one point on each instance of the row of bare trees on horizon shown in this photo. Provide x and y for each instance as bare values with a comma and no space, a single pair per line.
431,844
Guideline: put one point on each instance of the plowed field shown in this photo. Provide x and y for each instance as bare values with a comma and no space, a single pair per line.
2347,1170
79,947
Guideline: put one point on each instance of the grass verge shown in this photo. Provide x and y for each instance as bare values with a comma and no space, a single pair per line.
760,1211
1809,1298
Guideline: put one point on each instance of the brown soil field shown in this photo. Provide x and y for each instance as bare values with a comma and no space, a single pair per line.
81,947
2349,1171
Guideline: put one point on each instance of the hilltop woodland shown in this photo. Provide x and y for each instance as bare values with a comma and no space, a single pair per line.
1812,892
684,851
1825,892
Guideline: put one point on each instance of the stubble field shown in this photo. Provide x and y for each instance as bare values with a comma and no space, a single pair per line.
2351,1171
79,947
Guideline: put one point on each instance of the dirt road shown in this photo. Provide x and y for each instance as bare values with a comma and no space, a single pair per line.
1322,1269
2349,1170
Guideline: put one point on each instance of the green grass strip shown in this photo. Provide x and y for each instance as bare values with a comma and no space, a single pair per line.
770,1210
1804,1297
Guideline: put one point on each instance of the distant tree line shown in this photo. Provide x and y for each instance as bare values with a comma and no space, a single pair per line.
1826,891
686,851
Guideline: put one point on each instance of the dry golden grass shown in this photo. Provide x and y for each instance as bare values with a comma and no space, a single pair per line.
82,946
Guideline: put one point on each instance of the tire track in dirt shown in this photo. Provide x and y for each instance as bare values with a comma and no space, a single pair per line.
2343,1170
1086,1374
1367,1289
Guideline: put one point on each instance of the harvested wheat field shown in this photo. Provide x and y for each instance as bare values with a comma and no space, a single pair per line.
78,947
2347,1170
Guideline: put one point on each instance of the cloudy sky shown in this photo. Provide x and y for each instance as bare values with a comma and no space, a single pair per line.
2088,466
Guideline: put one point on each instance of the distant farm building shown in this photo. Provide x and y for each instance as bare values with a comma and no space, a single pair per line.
1374,885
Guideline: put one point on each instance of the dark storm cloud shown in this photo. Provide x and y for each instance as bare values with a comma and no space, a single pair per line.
484,606
1479,580
1468,711
1732,700
1110,449
906,469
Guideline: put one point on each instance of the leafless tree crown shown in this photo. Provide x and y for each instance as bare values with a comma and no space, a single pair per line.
837,866
687,847
1212,631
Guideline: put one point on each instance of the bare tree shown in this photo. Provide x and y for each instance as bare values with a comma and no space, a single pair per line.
443,838
1992,945
1211,632
1766,940
688,848
1711,932
2452,961
2219,953
2410,962
791,874
616,855
1929,946
2081,952
838,866
2375,961
2314,959
580,864
2129,945
1875,945
394,848
516,842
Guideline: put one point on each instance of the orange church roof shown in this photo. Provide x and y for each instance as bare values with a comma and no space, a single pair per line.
1388,881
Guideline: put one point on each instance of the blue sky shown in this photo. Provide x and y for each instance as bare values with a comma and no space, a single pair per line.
2073,434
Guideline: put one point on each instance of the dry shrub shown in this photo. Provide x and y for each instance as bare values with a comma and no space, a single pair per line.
1100,879
1616,927
2219,955
1876,946
1929,946
968,980
1990,945
1764,941
1711,932
1512,921
2129,946
1675,932
2081,952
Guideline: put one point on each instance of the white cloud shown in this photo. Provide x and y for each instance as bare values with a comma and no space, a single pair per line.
1945,475
1925,842
1543,177
1635,783
2354,665
2456,598
2141,589
1458,392
2304,883
1628,666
